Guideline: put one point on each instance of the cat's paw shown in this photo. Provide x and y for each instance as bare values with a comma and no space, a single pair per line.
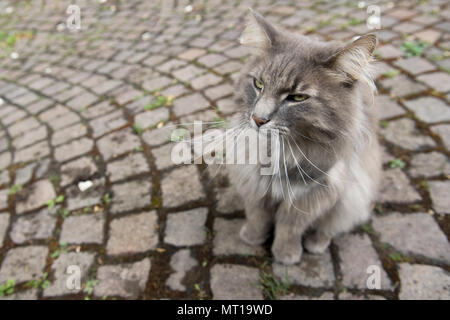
251,237
316,244
287,255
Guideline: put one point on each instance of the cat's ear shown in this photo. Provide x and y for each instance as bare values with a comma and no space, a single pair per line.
258,33
353,62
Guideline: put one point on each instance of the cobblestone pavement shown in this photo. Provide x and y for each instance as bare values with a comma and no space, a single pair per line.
88,110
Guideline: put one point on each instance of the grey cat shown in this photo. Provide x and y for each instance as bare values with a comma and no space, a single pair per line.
319,96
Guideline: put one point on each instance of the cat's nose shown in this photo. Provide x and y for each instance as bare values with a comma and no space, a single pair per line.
260,121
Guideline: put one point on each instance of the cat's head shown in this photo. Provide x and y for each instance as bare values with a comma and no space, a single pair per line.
311,89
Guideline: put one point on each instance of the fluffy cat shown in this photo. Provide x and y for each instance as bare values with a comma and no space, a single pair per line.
319,96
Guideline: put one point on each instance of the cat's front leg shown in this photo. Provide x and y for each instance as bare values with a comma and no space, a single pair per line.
293,218
256,229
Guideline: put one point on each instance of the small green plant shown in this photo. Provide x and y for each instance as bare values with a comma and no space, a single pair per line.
52,203
201,293
14,189
7,288
62,249
413,48
384,123
42,282
89,286
271,286
391,73
159,102
397,257
204,263
139,149
107,199
63,212
138,129
367,227
424,184
397,163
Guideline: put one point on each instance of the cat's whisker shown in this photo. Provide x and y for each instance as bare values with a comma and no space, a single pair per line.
297,164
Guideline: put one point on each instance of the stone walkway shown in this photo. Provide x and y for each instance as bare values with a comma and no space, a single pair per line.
87,110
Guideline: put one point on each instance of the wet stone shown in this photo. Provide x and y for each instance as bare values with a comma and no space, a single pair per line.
429,109
313,271
227,241
421,282
117,143
36,226
186,228
404,134
81,229
133,234
429,165
78,170
181,185
35,196
181,262
58,287
415,233
439,191
23,264
235,282
124,280
124,200
131,165
357,254
4,223
395,187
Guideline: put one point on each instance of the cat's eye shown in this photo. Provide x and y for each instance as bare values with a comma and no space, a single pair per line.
258,84
297,97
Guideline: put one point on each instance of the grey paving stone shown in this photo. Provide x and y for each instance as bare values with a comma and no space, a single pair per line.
443,130
151,118
313,271
429,165
123,200
85,228
227,106
111,121
439,81
421,282
35,196
4,223
395,187
219,91
23,126
387,108
59,287
227,242
4,199
439,191
186,228
32,153
181,186
350,296
73,149
206,80
62,136
117,143
415,65
158,136
30,137
77,199
24,174
80,102
235,282
404,134
131,165
124,280
191,54
189,104
30,294
133,234
357,255
413,233
5,160
187,73
324,296
181,262
77,170
23,264
402,86
162,157
429,109
97,110
35,226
